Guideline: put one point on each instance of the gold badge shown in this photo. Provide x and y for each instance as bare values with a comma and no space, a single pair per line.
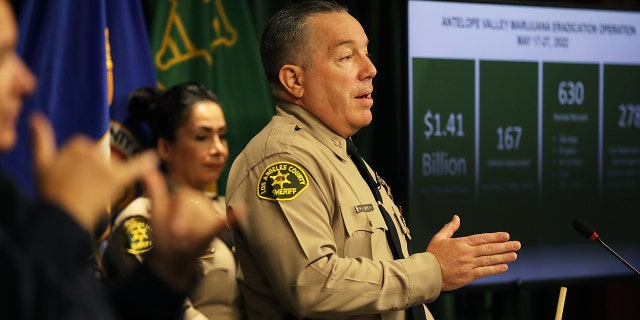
282,181
137,235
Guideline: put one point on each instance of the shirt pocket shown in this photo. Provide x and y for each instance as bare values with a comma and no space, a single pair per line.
361,222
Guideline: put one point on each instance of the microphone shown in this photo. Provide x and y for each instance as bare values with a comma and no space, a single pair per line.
586,231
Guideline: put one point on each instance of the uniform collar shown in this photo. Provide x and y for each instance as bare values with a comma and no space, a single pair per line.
311,124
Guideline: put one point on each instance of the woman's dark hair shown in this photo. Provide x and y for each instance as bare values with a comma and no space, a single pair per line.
173,108
166,111
284,39
139,107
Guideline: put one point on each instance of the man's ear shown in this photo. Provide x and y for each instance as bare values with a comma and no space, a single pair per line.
291,79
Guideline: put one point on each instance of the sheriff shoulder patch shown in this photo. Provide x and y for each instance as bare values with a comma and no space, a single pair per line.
281,181
137,235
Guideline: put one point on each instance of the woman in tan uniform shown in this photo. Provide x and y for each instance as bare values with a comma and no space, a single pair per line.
189,129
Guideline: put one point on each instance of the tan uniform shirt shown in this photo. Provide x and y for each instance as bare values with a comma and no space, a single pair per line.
216,294
313,242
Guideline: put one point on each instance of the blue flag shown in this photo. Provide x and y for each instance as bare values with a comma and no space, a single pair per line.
63,42
130,53
88,56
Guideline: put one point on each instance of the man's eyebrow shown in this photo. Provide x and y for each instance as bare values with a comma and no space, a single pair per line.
347,42
344,42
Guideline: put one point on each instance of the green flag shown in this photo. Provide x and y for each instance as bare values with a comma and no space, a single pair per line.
214,42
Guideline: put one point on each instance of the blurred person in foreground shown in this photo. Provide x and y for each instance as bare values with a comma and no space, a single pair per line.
43,244
315,243
190,134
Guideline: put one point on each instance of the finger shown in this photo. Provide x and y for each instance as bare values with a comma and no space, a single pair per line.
449,229
128,171
499,259
236,213
499,248
158,193
43,141
218,226
185,204
484,238
486,271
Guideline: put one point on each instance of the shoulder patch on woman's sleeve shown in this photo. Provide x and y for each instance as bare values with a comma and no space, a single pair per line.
281,181
137,235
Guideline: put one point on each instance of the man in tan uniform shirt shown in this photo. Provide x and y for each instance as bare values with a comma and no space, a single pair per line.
314,242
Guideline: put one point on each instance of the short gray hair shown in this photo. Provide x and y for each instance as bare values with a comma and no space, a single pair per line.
285,37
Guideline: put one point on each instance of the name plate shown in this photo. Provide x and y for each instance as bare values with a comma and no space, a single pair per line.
364,208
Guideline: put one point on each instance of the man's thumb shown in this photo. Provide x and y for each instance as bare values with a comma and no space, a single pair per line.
449,229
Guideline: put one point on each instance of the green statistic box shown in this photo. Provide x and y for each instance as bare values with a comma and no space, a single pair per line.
570,121
621,136
569,143
508,130
443,143
507,145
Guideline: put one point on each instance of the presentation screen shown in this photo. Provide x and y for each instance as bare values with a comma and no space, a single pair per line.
522,119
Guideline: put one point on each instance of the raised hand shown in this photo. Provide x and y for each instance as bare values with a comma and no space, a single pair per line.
183,223
77,177
463,260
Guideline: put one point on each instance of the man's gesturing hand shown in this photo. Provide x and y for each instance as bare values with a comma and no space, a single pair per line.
184,223
78,177
463,260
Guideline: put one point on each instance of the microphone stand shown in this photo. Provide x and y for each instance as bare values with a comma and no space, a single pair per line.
618,256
